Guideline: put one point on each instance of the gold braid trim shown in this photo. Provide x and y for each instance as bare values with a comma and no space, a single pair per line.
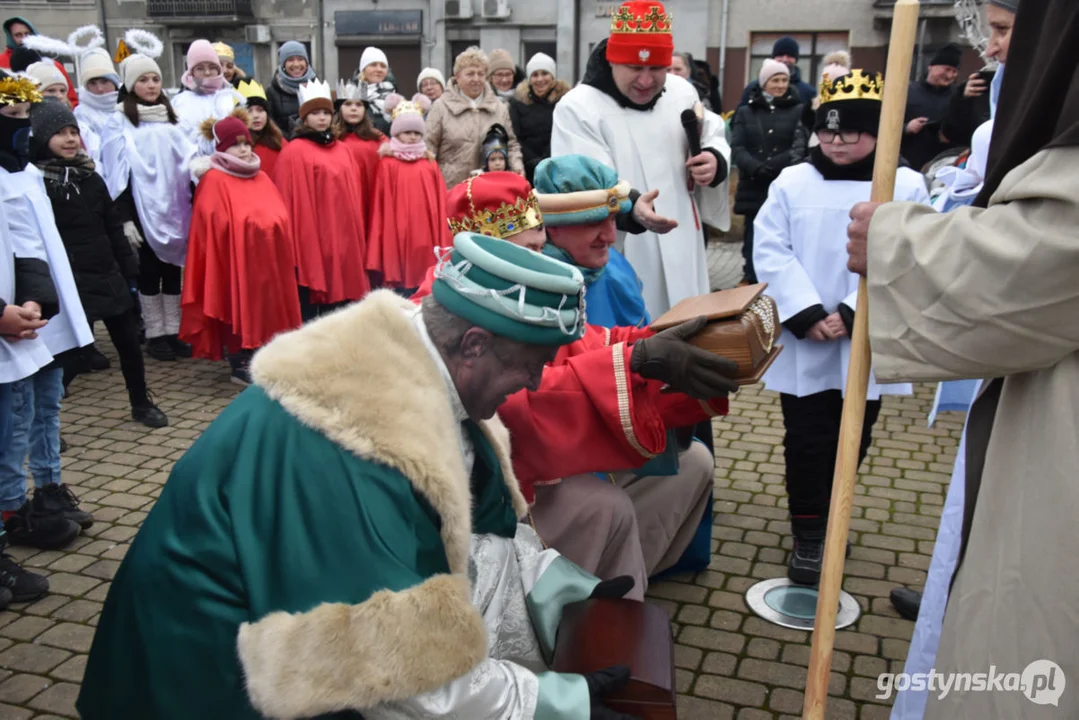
621,382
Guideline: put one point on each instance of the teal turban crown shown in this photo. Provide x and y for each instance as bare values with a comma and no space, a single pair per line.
578,190
511,291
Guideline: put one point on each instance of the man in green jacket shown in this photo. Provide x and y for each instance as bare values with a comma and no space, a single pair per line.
344,537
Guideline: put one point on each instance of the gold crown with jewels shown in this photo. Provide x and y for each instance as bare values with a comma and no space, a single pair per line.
856,85
627,22
502,222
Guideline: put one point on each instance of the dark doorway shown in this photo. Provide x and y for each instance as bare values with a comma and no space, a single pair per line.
404,63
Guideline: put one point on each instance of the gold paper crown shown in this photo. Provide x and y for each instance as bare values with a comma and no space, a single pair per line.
626,22
856,85
18,89
406,106
251,89
224,50
505,221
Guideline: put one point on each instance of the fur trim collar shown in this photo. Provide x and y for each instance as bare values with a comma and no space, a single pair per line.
342,375
523,94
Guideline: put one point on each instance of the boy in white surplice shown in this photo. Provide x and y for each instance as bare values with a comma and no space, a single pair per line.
800,251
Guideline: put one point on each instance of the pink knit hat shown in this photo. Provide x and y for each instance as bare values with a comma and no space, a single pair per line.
407,114
202,51
770,69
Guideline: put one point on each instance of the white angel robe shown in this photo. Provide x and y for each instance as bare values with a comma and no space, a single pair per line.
192,108
800,250
93,113
155,159
649,150
29,216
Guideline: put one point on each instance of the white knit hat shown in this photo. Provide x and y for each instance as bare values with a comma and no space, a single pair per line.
770,69
372,54
97,64
47,74
135,66
433,74
541,61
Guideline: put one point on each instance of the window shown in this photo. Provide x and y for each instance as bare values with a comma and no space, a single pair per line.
531,47
813,45
456,48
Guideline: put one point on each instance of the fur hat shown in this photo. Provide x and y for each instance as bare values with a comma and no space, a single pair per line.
407,114
47,74
499,60
541,61
770,69
433,74
135,66
225,132
201,51
95,64
50,117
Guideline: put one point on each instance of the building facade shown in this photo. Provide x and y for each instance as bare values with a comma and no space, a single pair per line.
734,36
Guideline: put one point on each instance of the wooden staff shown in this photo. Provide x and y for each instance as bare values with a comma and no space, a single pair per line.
889,136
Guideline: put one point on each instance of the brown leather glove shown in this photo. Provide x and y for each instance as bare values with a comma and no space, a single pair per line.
670,357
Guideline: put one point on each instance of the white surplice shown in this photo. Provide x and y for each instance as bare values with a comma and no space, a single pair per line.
800,250
649,150
192,108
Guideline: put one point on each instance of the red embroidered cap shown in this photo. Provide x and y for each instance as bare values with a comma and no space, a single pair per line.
641,35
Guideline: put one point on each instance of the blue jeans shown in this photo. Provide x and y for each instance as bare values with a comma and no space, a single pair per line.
35,415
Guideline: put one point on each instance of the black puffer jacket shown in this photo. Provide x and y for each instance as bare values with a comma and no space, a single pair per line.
284,106
91,227
765,138
533,120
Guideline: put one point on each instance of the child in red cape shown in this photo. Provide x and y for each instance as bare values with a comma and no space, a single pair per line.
354,128
266,138
322,189
409,219
241,263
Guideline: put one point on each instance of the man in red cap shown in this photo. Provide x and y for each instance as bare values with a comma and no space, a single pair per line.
627,101
593,414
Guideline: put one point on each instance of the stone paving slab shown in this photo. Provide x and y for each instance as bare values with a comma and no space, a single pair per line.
730,663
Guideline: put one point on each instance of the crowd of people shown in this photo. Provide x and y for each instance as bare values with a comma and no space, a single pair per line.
439,305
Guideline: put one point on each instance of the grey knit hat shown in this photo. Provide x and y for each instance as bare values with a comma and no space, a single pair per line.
50,117
1009,5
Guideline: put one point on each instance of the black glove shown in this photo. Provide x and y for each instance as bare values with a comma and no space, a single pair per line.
602,683
613,589
669,357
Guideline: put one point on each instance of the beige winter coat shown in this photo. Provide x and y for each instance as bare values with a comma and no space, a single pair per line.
994,293
455,131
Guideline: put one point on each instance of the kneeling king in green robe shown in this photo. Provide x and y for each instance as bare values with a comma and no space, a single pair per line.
343,540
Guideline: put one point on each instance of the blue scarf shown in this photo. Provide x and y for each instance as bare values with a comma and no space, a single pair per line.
591,275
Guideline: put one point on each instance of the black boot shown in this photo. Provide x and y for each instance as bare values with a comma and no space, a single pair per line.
16,584
239,363
906,602
30,528
159,348
143,410
93,359
806,561
56,499
182,349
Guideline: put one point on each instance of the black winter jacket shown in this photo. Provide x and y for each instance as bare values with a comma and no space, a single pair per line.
765,138
533,120
91,227
284,106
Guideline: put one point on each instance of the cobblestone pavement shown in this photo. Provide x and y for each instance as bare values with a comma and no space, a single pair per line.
730,663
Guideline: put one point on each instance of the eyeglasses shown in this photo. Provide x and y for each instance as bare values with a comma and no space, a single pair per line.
846,137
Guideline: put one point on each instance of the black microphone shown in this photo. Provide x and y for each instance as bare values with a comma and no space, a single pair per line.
692,126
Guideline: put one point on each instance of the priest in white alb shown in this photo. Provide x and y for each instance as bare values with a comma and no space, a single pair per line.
627,113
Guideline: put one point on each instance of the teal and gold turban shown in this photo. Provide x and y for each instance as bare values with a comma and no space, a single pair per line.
577,190
511,291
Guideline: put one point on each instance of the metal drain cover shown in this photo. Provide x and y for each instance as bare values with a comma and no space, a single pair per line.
783,603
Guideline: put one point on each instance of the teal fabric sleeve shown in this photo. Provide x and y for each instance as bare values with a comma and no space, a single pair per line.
562,583
563,697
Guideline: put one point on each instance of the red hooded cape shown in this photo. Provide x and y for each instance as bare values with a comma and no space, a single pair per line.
321,187
269,156
365,153
240,277
409,221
